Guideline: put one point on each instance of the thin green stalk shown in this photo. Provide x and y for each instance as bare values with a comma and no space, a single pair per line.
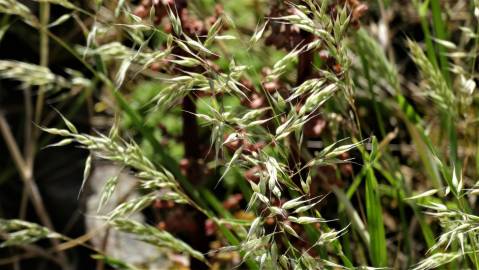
401,189
374,212
441,33
44,49
356,183
354,218
346,239
430,51
377,251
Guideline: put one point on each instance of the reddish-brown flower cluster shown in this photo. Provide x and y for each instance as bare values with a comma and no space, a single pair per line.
191,25
359,9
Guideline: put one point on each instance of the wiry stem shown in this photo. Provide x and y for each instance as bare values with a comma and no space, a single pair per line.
12,146
31,144
27,146
44,18
27,178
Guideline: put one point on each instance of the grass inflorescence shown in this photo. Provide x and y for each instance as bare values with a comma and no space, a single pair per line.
285,134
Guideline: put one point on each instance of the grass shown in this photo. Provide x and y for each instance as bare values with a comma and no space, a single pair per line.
301,138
